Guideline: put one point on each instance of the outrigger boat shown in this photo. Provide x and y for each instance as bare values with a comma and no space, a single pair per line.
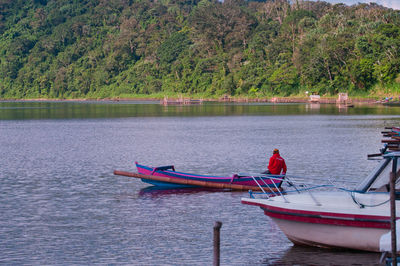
335,218
166,176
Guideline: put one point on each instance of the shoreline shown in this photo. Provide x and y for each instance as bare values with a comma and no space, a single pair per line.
322,100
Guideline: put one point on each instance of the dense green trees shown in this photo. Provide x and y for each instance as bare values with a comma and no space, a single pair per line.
99,48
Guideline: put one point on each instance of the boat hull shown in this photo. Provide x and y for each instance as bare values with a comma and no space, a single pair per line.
331,236
246,181
165,184
330,220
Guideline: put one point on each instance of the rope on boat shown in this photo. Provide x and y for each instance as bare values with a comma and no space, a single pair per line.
361,205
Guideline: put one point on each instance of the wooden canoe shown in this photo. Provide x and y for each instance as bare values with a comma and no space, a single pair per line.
197,183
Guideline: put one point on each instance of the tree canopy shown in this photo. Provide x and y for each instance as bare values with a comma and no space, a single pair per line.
100,48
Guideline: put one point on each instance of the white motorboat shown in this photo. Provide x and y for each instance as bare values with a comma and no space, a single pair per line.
341,218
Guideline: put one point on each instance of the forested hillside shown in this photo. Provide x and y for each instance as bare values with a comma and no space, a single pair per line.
122,48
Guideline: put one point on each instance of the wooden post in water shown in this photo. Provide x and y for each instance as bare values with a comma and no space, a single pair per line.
393,209
217,228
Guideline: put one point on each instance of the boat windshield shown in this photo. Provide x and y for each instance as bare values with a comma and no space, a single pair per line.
378,180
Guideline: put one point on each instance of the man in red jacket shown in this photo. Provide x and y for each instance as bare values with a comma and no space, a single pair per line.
276,164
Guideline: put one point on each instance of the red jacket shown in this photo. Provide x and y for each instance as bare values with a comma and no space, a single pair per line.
277,164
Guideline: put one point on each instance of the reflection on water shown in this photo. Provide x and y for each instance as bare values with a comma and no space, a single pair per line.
313,106
155,191
302,256
104,109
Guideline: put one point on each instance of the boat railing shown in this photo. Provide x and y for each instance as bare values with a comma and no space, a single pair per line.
258,184
276,191
261,180
299,185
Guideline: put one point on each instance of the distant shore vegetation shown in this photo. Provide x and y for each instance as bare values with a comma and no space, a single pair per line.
60,49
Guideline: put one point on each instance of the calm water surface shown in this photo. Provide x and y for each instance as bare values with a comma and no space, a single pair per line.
61,204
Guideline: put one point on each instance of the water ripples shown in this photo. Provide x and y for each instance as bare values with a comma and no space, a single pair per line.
61,204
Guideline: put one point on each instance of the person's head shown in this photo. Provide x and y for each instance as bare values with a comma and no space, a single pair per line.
276,151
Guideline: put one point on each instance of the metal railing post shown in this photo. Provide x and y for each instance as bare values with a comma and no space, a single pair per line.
258,185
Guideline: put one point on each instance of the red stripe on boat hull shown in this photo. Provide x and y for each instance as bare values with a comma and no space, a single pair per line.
329,218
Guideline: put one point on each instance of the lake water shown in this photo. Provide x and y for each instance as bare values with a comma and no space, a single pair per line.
61,204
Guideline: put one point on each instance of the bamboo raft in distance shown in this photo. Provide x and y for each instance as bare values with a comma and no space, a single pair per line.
196,182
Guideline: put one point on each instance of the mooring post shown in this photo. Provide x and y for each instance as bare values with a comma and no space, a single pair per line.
393,210
217,228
